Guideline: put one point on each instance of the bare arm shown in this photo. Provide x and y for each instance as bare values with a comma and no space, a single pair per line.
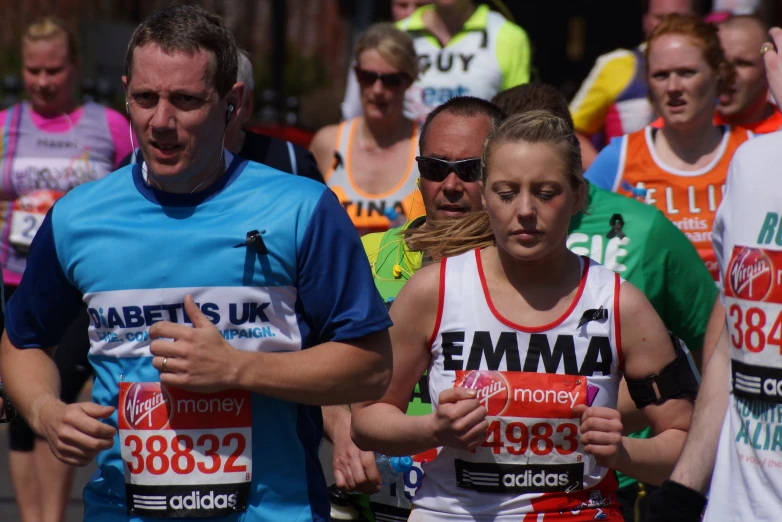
459,420
647,350
713,332
74,432
354,470
696,463
383,425
30,379
330,373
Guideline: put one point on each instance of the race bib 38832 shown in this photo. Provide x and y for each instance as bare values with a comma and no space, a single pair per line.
186,454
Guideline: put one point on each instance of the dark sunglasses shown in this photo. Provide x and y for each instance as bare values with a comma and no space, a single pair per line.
367,78
436,169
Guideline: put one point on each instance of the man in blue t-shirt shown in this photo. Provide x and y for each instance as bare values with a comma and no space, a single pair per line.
227,302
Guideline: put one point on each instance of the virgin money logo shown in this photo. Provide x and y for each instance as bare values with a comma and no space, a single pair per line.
492,390
38,201
749,274
147,406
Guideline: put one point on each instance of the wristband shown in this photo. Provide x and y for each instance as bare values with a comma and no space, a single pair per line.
675,502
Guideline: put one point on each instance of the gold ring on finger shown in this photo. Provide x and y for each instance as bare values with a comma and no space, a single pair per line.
766,47
165,359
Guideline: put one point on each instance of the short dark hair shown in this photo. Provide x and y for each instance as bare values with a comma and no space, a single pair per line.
467,106
189,29
531,97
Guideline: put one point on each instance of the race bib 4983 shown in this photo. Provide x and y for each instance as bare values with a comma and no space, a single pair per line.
533,441
186,454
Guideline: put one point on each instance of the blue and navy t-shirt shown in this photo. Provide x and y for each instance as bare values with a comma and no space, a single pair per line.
132,253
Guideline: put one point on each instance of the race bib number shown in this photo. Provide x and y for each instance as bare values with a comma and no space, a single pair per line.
753,300
186,454
532,445
28,214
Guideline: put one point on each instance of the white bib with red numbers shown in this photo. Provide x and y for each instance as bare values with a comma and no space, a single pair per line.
186,454
529,379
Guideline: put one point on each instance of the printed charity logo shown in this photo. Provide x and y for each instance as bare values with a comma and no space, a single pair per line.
147,406
491,388
749,273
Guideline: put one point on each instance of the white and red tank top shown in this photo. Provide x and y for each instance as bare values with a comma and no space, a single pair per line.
531,465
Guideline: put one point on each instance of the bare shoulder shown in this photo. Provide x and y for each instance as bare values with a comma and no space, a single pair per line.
323,145
646,346
419,297
325,139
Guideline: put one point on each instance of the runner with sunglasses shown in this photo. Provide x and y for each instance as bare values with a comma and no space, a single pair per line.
451,144
369,161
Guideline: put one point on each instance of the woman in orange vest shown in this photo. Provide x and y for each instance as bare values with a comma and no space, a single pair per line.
369,161
681,167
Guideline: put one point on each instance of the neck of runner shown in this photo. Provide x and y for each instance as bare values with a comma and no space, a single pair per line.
445,22
546,273
65,109
188,184
235,141
694,143
386,132
759,110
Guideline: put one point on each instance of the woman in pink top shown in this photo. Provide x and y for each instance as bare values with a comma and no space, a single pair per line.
50,144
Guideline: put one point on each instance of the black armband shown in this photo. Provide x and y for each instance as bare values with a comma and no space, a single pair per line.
677,380
675,502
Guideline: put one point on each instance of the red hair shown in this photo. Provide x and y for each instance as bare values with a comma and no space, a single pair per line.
703,35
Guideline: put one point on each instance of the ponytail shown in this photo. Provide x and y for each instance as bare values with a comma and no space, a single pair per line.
439,239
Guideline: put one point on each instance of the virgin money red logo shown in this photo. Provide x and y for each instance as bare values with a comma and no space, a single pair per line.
38,201
749,274
492,390
147,406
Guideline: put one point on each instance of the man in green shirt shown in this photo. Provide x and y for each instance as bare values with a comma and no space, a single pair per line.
454,132
639,243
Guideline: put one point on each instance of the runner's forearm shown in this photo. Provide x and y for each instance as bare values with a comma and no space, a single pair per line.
334,419
330,373
713,330
30,378
386,429
696,463
652,460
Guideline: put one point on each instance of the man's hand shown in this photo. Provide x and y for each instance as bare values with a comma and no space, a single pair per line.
601,434
354,470
74,432
773,63
198,358
460,420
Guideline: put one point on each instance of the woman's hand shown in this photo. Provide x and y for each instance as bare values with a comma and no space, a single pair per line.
601,434
459,420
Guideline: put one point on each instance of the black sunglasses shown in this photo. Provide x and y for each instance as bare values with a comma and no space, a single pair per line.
367,78
436,169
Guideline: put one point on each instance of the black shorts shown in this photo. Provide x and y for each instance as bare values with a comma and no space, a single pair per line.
628,497
71,360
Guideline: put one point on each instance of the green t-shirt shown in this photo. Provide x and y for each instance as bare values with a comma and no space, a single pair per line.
655,256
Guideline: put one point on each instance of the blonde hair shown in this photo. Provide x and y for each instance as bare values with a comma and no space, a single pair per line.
396,47
453,237
49,28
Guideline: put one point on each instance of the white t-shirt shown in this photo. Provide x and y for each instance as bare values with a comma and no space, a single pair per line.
747,480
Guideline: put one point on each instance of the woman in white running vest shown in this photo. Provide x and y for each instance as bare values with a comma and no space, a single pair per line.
369,161
525,344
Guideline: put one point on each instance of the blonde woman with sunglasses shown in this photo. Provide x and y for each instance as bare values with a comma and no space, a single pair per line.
369,161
